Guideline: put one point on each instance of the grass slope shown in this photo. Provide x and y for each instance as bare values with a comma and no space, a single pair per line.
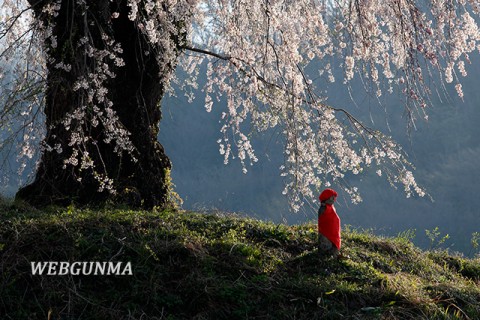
209,266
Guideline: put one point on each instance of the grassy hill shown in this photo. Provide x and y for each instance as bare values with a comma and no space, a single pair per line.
219,266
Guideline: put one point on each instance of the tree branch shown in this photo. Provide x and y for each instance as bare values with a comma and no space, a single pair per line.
206,52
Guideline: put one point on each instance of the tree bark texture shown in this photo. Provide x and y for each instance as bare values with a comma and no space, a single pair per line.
136,92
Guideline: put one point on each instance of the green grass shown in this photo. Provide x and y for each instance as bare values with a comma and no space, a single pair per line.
219,266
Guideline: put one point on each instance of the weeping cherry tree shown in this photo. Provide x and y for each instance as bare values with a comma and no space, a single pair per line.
82,83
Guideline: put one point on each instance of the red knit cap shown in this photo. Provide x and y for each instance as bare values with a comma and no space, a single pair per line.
326,194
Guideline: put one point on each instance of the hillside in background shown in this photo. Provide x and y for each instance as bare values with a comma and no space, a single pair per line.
221,266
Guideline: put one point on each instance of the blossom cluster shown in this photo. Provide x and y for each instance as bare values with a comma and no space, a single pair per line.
22,70
93,107
273,59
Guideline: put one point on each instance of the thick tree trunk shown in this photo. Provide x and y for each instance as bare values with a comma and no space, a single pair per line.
135,92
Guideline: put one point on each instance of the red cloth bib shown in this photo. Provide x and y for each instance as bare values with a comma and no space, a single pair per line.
329,225
329,221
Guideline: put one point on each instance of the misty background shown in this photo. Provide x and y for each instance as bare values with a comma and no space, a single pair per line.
445,150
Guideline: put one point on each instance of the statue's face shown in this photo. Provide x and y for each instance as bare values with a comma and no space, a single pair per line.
331,200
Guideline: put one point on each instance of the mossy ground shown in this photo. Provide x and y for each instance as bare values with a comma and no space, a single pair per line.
189,265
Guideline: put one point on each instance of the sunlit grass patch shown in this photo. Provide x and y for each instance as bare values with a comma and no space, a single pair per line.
223,266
